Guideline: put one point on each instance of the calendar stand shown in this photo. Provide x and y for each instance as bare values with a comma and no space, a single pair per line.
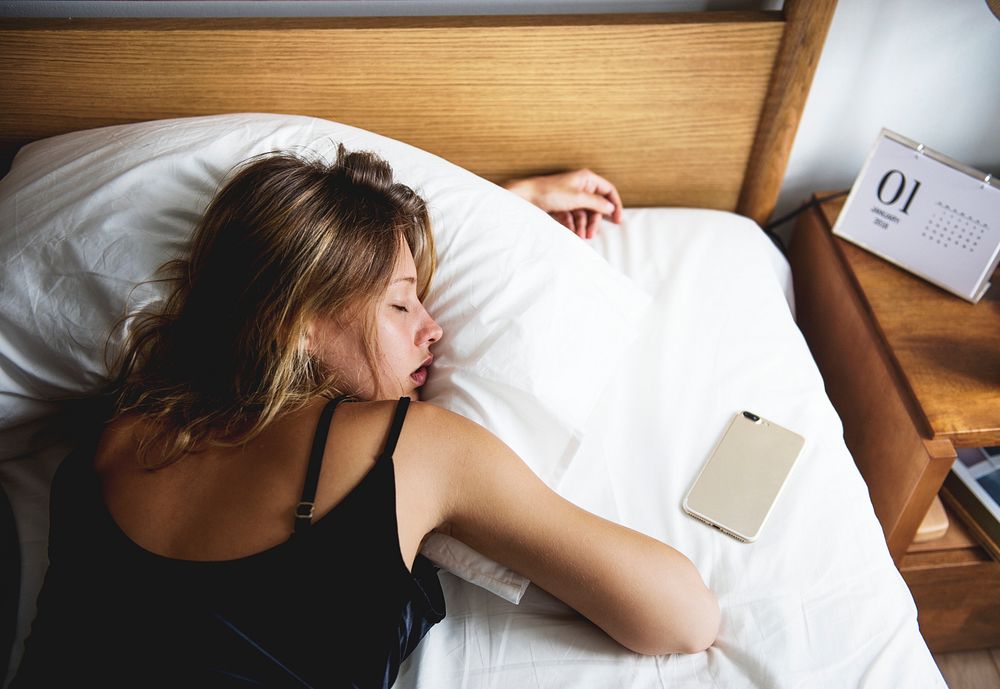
927,213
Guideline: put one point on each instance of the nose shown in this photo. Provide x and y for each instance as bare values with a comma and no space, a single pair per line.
431,332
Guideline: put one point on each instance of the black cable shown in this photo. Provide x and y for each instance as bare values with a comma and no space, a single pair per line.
769,228
805,206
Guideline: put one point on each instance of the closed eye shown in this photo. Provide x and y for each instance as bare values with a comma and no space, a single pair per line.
399,307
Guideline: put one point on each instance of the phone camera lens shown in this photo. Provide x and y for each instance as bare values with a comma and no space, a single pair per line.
752,417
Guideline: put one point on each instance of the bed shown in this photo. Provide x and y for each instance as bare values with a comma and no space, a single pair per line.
684,311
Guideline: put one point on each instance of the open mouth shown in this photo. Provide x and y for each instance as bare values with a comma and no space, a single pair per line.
420,375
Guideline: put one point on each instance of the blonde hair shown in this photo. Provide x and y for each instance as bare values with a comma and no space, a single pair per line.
285,240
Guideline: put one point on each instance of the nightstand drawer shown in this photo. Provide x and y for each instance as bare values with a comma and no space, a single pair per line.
955,585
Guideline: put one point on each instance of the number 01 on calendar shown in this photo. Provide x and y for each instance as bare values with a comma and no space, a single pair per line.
933,216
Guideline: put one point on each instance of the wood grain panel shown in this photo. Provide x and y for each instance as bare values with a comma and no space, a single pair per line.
807,23
665,105
902,468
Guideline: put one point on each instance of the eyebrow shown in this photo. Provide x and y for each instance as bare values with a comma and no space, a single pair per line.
406,279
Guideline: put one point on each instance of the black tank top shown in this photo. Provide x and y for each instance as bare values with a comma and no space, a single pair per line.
333,606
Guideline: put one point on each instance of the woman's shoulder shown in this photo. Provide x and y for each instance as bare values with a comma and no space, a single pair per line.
445,430
422,418
358,426
117,440
432,442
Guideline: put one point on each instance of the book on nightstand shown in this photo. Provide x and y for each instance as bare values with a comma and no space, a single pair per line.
974,482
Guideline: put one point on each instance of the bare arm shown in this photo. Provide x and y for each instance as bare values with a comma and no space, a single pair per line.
643,593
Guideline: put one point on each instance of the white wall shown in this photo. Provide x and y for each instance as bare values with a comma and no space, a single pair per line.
928,69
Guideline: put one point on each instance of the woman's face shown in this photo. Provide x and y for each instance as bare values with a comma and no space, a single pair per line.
404,331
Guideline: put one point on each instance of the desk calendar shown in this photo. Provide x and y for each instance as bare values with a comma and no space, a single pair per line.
926,213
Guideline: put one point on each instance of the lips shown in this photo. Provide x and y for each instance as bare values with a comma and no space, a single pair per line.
420,375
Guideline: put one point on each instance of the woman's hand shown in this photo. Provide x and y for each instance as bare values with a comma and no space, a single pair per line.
577,199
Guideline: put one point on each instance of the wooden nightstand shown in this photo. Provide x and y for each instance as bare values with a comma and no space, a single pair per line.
914,372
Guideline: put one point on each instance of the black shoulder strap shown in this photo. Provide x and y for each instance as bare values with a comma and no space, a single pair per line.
397,426
304,510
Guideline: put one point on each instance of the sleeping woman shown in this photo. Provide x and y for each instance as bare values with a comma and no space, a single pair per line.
252,514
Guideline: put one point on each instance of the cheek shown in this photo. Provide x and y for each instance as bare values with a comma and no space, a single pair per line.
337,349
393,342
342,354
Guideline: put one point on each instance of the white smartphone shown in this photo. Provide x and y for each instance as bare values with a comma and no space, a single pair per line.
744,475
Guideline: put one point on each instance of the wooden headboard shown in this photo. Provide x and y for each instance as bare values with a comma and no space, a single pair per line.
688,109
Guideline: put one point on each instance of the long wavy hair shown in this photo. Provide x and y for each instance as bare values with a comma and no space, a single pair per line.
286,239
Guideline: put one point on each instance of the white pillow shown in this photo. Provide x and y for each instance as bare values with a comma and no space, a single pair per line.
533,320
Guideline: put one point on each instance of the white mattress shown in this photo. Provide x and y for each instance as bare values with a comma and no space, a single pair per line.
815,602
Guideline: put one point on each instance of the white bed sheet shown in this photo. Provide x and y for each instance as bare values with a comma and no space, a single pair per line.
816,602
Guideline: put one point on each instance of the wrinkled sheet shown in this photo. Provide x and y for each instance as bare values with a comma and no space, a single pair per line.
815,602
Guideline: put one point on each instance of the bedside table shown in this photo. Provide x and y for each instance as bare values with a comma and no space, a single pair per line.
914,372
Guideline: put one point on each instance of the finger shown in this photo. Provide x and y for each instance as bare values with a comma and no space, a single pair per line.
561,217
583,200
570,220
580,220
605,188
593,222
616,199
